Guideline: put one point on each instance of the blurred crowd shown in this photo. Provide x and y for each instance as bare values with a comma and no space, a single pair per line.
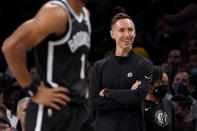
166,34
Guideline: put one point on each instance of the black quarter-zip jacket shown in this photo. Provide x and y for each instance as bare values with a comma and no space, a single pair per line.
123,110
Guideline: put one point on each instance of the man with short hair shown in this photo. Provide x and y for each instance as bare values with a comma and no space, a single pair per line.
181,84
118,107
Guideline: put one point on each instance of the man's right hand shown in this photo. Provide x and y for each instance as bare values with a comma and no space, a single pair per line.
52,97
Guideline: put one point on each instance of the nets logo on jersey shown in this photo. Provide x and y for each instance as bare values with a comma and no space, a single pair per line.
161,118
81,38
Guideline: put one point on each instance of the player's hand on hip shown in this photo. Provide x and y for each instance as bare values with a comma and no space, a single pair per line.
52,97
135,86
101,93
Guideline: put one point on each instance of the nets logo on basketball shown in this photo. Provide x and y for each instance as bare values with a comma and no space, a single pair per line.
81,38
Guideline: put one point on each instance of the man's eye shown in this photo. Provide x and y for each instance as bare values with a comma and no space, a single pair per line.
130,29
121,30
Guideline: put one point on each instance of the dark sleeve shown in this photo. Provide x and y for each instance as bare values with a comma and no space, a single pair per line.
130,97
99,102
174,124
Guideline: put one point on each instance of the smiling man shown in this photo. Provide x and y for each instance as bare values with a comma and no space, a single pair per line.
118,107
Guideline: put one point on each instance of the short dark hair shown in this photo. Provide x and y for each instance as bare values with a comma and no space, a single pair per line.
119,16
183,101
184,69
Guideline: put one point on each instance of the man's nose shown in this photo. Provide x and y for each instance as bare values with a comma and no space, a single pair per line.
127,33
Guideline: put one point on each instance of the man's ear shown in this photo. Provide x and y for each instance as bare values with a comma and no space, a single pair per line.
112,34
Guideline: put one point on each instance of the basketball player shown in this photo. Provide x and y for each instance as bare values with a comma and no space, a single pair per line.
60,37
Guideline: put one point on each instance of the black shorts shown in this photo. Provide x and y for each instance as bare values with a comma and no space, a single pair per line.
73,117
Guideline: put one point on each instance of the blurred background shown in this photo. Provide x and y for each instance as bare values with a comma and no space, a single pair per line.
166,33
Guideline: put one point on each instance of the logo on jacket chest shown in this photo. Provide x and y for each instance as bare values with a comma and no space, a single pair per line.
130,74
161,118
81,38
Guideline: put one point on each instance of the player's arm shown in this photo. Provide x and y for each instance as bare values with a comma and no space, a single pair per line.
51,19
